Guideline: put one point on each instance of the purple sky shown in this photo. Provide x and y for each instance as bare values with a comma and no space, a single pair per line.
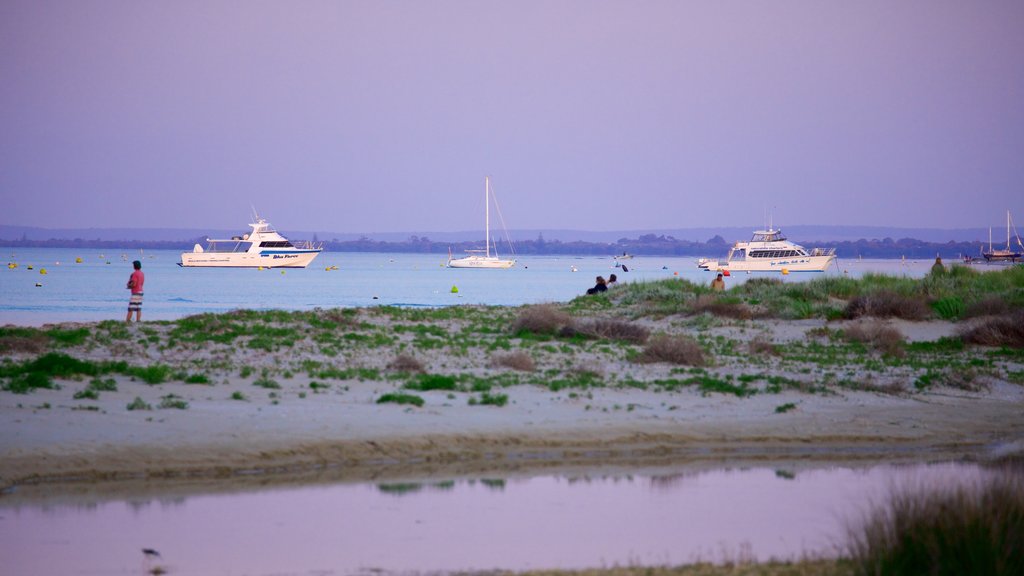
385,116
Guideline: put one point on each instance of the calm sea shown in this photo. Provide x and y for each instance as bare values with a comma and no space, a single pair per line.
94,289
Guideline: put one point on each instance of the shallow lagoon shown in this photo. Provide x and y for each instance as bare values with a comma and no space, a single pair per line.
94,289
671,517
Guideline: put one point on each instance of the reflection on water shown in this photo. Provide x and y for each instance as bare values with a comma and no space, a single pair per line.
516,523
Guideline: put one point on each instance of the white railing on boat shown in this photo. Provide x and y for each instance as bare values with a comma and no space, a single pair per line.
823,251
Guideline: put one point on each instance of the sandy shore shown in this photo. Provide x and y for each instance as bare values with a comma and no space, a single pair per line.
48,436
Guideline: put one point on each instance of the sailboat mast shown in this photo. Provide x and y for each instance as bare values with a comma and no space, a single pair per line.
487,215
1007,230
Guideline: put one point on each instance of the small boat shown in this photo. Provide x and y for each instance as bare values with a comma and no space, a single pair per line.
624,256
483,258
1007,254
769,251
261,248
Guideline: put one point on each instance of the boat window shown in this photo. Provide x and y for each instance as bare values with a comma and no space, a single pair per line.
276,244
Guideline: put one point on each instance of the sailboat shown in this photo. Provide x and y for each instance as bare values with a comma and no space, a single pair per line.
483,258
1004,254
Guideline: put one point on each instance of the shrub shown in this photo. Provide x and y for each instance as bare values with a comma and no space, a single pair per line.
488,399
877,335
514,360
541,319
723,306
104,385
29,343
762,345
86,394
173,401
967,529
139,404
25,383
406,363
887,304
265,382
988,306
949,308
1007,330
614,330
427,382
398,398
197,379
673,349
236,395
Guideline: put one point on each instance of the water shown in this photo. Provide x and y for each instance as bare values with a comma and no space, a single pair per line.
516,524
95,289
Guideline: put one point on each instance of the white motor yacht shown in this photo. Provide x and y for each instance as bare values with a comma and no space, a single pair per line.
769,251
261,248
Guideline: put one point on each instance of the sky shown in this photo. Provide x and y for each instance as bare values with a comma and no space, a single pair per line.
385,116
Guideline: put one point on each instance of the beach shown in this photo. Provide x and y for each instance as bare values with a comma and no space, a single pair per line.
287,410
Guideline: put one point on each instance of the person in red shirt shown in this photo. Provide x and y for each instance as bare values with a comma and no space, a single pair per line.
135,283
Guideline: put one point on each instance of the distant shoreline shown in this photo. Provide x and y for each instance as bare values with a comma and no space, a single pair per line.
645,245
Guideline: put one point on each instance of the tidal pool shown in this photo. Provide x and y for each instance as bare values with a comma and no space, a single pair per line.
600,520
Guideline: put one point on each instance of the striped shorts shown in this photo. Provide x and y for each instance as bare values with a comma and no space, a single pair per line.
135,303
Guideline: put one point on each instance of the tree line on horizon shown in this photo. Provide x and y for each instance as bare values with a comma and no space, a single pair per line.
644,245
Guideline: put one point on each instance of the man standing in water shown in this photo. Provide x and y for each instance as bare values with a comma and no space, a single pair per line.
135,283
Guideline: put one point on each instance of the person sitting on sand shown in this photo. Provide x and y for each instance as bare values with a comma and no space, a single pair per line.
612,280
601,286
938,268
718,284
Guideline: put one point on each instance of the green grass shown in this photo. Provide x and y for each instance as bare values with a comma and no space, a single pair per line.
173,401
139,404
783,408
265,382
967,529
426,382
488,399
238,396
400,398
196,379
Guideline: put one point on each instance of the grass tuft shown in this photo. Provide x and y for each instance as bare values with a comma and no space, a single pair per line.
967,529
1007,330
406,363
681,350
541,319
515,360
399,398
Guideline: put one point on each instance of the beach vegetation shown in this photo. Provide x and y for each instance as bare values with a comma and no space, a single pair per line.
783,408
29,381
69,337
406,363
245,371
153,374
610,329
266,382
1006,330
545,319
674,349
972,528
103,385
877,335
400,398
236,395
427,382
86,394
488,399
196,379
316,387
173,401
139,404
515,360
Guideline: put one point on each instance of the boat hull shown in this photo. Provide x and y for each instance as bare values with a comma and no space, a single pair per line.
481,262
266,259
795,264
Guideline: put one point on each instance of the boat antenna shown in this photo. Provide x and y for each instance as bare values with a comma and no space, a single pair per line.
255,215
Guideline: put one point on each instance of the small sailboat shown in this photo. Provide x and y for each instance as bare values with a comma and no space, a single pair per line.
483,258
1006,254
